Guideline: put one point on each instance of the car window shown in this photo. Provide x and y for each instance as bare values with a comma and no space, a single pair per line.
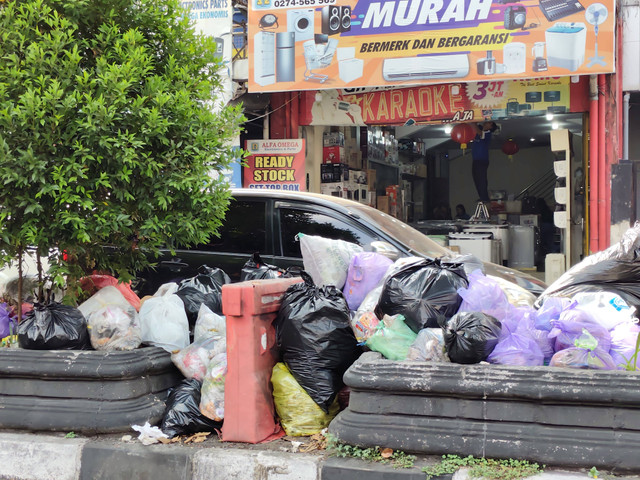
294,221
243,229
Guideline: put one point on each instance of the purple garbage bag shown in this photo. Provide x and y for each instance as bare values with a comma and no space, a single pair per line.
576,357
586,354
518,350
623,344
8,324
484,295
365,273
550,310
522,321
570,325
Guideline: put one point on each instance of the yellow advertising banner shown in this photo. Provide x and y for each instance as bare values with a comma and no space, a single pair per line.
334,44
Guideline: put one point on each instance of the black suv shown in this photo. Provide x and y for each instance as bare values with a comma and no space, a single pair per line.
268,221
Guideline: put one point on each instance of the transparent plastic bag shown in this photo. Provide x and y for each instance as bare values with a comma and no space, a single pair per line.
299,414
606,308
105,297
164,323
209,325
327,260
212,398
364,325
193,360
114,328
392,338
428,346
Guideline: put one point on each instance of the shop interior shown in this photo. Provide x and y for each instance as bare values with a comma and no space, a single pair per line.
419,174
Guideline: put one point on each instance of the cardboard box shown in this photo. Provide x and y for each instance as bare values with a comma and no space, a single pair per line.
358,176
337,189
333,155
354,158
330,139
371,179
326,173
421,170
382,204
340,172
513,206
529,220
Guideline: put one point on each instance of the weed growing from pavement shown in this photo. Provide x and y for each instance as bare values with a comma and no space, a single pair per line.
630,363
485,468
396,458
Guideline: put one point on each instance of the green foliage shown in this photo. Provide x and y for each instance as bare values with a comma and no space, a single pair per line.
396,458
109,130
71,435
630,363
484,468
593,473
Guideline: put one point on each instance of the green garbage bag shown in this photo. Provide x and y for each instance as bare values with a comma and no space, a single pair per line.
392,338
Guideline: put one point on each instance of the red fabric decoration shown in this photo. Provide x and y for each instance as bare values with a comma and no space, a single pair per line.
463,133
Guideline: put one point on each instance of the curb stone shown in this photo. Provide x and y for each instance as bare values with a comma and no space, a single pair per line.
27,456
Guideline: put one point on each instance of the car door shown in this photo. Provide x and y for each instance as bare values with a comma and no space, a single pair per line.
244,231
292,218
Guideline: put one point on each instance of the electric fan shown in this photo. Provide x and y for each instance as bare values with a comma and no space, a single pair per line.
595,15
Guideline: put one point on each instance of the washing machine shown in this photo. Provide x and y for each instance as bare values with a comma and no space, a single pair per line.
301,22
481,245
500,232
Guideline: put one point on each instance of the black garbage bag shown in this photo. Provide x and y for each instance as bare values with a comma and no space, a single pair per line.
315,338
54,326
422,291
615,270
206,287
256,269
470,337
182,415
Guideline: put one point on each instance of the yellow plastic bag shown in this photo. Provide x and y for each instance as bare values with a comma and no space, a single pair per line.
299,414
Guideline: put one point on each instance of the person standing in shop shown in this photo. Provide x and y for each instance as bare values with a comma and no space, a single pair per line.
480,155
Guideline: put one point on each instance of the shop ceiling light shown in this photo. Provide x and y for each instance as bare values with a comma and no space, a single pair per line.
549,116
447,129
554,125
532,139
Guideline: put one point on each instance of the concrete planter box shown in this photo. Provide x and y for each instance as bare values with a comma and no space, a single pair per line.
83,391
554,416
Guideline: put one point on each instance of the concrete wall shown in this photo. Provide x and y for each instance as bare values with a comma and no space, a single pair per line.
513,175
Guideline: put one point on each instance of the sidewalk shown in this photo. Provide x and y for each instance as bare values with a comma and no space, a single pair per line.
25,456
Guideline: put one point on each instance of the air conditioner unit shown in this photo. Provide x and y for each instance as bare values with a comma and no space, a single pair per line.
425,68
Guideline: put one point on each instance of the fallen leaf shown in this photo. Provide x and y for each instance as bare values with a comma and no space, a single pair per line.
197,437
386,452
164,440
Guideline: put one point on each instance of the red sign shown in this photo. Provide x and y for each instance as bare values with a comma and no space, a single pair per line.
275,164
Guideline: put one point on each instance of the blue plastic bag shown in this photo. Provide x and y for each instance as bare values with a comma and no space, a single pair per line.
484,295
365,273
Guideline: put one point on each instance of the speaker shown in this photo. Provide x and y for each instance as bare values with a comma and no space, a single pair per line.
345,18
332,19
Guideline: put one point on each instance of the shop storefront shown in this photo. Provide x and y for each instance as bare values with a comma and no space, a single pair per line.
380,118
